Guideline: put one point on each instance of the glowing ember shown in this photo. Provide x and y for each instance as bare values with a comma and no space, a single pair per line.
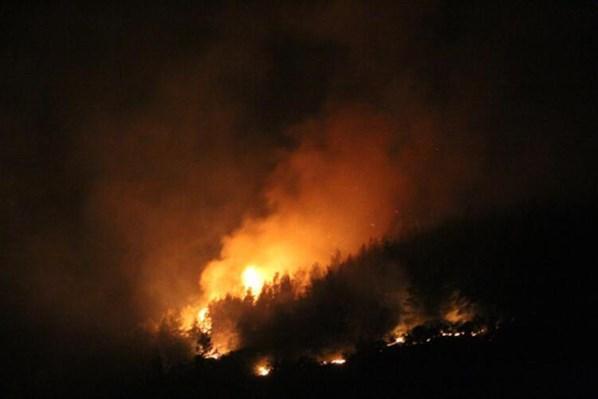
253,280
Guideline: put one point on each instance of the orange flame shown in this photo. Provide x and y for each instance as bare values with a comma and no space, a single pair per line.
262,368
333,193
253,281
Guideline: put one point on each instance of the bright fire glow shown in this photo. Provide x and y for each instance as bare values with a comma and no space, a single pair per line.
319,204
398,336
335,358
253,280
202,314
397,340
262,368
204,321
338,361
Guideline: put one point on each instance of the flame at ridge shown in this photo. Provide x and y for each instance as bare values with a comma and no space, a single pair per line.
337,190
334,192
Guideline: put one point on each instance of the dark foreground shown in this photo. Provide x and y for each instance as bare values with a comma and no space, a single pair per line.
447,367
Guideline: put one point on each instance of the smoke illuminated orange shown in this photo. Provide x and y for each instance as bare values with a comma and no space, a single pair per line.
334,192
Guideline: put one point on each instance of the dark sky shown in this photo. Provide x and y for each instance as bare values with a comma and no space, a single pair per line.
133,137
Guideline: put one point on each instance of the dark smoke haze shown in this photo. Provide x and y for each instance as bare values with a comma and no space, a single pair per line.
134,138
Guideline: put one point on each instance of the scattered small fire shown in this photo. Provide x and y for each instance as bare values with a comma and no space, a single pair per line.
398,335
451,334
338,361
398,340
335,360
451,330
470,333
263,368
262,371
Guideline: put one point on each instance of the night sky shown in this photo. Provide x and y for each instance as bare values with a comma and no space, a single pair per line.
134,137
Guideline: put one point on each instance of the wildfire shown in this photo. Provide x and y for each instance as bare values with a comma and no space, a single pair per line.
262,371
319,205
204,321
262,368
453,330
398,335
398,340
253,280
335,359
